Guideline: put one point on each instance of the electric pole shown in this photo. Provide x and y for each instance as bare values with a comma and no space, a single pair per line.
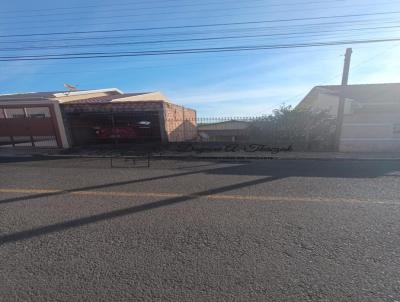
342,98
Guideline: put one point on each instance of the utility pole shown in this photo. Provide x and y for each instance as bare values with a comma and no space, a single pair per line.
342,98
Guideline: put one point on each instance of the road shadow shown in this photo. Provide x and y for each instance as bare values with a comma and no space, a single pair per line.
96,187
312,168
277,169
25,159
75,223
267,170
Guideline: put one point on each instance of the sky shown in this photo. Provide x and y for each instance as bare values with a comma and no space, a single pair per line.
240,83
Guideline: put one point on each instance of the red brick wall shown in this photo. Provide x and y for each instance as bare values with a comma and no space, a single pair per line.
180,123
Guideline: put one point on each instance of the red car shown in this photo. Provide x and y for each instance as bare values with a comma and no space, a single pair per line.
128,132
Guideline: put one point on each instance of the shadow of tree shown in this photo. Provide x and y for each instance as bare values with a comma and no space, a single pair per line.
58,227
102,186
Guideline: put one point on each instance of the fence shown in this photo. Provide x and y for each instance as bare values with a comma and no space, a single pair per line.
301,131
298,133
266,134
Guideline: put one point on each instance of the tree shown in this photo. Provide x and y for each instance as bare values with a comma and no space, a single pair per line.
301,129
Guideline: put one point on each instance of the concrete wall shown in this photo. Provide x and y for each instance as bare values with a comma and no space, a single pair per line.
180,123
371,132
321,101
367,127
327,102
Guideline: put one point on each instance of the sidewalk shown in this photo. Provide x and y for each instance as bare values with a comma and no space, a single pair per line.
21,152
239,155
282,155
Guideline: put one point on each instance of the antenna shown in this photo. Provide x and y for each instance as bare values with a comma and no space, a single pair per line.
70,87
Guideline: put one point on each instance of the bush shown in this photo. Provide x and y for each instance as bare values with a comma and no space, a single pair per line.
302,129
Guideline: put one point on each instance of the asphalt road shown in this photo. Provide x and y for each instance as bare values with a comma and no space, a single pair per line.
78,230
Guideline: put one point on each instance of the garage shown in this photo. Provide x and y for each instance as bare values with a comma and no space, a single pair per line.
115,127
127,118
92,117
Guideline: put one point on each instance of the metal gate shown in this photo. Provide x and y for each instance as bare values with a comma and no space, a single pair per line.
28,126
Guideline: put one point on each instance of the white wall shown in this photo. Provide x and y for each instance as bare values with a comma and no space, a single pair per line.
371,132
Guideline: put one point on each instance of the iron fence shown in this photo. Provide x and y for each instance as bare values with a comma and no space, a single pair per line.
300,132
230,134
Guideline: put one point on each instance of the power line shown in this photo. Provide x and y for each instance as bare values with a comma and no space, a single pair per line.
203,25
235,55
289,34
387,50
219,31
199,61
338,76
138,20
309,26
148,1
139,15
209,10
219,57
69,56
161,60
201,4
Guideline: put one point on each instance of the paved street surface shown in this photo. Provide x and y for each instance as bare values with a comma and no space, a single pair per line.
78,230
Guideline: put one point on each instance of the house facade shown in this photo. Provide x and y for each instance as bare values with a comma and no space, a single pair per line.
65,119
372,115
31,120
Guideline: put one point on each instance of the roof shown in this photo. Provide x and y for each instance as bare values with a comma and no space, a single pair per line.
362,93
126,97
227,125
107,95
28,95
90,97
53,94
83,92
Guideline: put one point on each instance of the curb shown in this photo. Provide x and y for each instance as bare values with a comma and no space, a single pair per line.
272,158
191,157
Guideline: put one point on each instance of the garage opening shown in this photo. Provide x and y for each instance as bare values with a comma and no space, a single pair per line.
96,128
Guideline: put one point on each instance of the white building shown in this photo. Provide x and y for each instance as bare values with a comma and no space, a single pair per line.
372,115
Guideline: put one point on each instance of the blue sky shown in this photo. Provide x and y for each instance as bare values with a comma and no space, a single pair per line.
215,84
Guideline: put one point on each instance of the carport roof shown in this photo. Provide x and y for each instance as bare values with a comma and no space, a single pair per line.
127,97
28,96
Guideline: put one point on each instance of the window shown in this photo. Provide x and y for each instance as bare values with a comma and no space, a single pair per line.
37,115
37,112
14,112
2,114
